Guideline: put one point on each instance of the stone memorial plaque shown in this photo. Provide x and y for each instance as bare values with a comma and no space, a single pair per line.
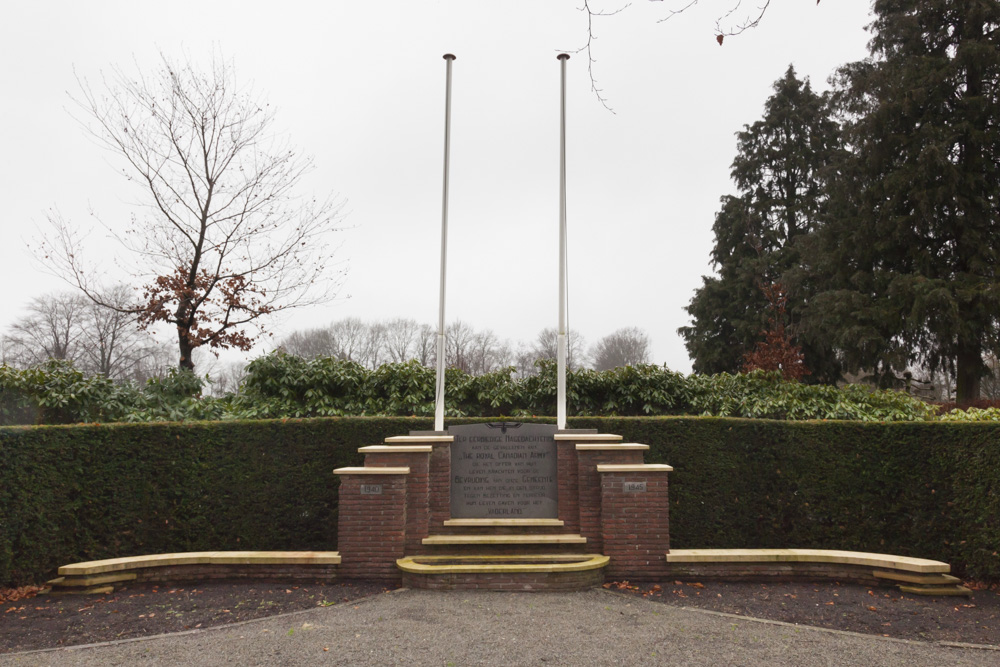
371,489
504,471
635,487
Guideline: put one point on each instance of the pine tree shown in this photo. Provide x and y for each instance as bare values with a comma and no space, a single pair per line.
909,251
777,170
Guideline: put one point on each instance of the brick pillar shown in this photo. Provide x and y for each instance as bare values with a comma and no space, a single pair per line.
634,520
371,532
417,459
437,508
568,485
589,456
439,486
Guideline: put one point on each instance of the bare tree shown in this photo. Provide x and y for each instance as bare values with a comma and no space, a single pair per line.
426,345
225,241
110,342
488,353
990,384
98,340
350,336
374,350
458,345
50,330
546,346
310,343
624,347
400,339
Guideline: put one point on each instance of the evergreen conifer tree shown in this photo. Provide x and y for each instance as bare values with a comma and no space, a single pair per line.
909,249
777,171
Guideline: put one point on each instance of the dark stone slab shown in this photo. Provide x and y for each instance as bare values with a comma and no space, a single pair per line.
504,471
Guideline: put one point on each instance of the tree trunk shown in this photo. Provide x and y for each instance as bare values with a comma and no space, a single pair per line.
969,375
186,349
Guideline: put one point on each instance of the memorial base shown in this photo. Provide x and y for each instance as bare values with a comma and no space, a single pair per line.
501,507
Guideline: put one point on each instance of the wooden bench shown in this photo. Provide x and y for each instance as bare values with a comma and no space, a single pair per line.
99,576
918,576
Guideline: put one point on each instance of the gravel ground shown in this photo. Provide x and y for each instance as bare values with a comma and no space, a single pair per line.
595,627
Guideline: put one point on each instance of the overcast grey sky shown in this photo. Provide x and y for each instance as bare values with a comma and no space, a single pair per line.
360,86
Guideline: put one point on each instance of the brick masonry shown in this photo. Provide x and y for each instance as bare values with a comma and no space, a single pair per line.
635,525
568,486
371,533
589,490
417,491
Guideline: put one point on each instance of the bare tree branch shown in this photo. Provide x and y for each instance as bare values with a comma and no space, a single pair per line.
752,20
588,48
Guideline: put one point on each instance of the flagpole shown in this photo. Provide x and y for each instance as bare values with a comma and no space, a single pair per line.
561,362
439,387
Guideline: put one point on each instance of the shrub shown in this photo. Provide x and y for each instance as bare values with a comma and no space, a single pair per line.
284,386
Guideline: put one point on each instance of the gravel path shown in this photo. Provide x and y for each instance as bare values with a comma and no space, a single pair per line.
460,628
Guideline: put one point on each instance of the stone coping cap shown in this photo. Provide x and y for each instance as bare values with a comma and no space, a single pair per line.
611,447
389,449
203,558
504,539
497,564
587,437
634,467
503,522
372,471
886,561
414,439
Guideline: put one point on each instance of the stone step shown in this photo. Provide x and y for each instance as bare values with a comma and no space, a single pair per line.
506,540
504,572
936,591
923,579
92,580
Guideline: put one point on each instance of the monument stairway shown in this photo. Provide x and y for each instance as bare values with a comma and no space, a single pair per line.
432,503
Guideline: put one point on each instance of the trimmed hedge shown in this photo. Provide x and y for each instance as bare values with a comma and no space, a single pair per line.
924,489
72,493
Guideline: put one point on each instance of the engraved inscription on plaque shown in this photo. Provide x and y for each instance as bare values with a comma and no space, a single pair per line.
635,487
371,489
504,471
